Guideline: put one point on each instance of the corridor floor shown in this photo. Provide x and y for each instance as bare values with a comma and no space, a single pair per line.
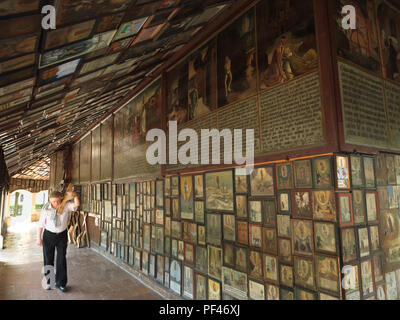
90,275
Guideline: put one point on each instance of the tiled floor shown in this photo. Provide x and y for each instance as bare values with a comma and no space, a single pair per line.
90,276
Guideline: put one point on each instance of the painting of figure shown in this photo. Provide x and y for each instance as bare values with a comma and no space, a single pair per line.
187,197
219,191
286,41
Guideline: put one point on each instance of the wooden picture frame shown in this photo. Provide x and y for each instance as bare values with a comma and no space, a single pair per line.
302,174
322,173
324,205
286,276
213,229
359,209
241,207
214,183
302,204
284,202
345,208
372,207
349,245
269,213
255,264
201,259
284,176
269,240
342,176
363,242
302,237
328,274
241,184
186,197
325,237
304,272
241,258
262,182
357,171
369,171
270,268
215,259
285,251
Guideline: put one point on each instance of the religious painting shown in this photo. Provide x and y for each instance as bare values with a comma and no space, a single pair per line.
284,202
342,172
198,186
229,225
369,172
219,191
255,264
159,216
302,207
381,170
177,95
214,290
255,236
176,229
269,212
234,283
241,259
131,124
302,237
272,292
352,281
199,211
237,78
302,294
390,230
372,206
324,206
213,229
201,259
349,245
189,253
145,262
159,241
146,237
360,45
201,234
186,197
175,209
284,176
378,268
256,290
390,163
199,91
304,272
159,193
327,273
175,186
175,272
241,207
286,295
286,275
389,25
229,254
287,45
255,215
190,232
262,181
345,209
383,195
358,206
322,170
201,287
363,241
357,179
391,286
214,262
181,250
242,232
325,237
374,238
283,222
17,46
270,268
367,281
160,269
393,197
285,251
269,241
302,174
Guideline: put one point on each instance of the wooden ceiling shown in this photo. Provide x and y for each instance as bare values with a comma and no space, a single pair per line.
54,84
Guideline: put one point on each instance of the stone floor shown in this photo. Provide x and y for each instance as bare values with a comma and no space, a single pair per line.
90,275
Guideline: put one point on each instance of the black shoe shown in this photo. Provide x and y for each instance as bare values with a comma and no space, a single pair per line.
63,289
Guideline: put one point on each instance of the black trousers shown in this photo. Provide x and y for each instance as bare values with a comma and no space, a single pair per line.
51,241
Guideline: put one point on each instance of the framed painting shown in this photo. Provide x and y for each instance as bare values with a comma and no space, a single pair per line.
302,174
322,172
304,295
391,286
286,295
159,243
234,283
190,232
198,186
378,268
201,235
160,269
269,213
242,232
286,277
255,236
342,172
302,237
327,273
200,287
372,206
367,281
381,170
383,195
189,253
213,229
175,272
214,289
241,258
302,204
176,229
214,262
229,254
159,193
345,209
167,188
256,290
175,209
255,212
186,197
11,28
369,172
284,178
241,206
146,237
17,63
283,223
349,245
324,206
284,202
201,259
229,227
199,211
363,242
359,207
13,47
167,245
241,180
325,237
152,265
255,264
285,251
159,216
145,262
374,238
304,272
270,268
130,28
219,191
262,182
269,240
181,250
272,292
356,169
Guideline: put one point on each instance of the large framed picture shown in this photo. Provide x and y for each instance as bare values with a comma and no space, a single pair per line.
219,191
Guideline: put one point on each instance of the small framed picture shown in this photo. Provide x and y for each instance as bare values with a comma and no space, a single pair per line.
325,237
324,205
255,264
302,174
304,272
363,241
359,207
286,277
284,204
255,212
345,209
285,251
283,222
342,172
269,212
302,207
372,206
284,178
269,240
357,174
322,172
241,206
349,245
369,172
